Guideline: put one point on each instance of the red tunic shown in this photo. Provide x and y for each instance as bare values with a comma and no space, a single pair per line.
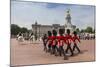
54,38
76,38
68,39
49,40
61,40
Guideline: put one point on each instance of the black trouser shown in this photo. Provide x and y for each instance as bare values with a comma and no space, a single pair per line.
75,46
61,51
49,47
54,49
69,48
45,48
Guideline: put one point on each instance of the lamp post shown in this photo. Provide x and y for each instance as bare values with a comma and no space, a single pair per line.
36,30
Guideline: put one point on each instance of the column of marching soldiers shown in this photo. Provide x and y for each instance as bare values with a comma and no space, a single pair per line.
54,43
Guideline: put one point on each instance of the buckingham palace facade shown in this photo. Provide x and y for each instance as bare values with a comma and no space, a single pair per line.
40,30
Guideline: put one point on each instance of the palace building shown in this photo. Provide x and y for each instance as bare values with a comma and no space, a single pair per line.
39,29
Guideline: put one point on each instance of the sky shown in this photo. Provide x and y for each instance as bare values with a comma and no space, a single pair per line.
25,14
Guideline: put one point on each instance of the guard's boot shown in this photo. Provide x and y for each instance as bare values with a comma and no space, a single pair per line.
51,52
56,53
60,54
72,54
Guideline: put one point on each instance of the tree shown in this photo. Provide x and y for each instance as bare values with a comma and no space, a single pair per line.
94,31
15,29
77,30
23,30
82,31
89,30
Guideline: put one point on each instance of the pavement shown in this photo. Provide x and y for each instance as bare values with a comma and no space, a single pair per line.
27,53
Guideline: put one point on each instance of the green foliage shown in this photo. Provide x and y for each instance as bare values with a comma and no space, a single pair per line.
89,30
15,29
94,31
23,30
77,30
82,31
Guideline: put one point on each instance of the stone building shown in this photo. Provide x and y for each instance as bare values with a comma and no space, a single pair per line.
40,30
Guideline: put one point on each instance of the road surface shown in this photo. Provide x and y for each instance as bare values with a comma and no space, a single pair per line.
26,53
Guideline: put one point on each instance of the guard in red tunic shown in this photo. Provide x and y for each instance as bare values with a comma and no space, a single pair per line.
44,38
54,42
49,41
61,41
75,39
69,40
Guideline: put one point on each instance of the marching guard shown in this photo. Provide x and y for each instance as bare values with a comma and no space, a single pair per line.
45,42
75,39
69,40
49,41
54,42
61,41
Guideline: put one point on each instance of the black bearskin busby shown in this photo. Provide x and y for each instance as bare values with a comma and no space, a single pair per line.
68,31
61,31
54,32
49,33
75,33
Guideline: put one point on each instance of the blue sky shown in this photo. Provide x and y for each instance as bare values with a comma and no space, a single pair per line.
25,14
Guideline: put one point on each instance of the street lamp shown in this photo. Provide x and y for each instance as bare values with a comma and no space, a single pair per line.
36,30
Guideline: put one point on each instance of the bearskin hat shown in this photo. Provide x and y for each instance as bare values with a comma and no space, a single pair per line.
68,31
49,33
45,35
75,33
54,32
61,31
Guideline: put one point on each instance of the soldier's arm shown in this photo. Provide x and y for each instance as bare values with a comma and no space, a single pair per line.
78,39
